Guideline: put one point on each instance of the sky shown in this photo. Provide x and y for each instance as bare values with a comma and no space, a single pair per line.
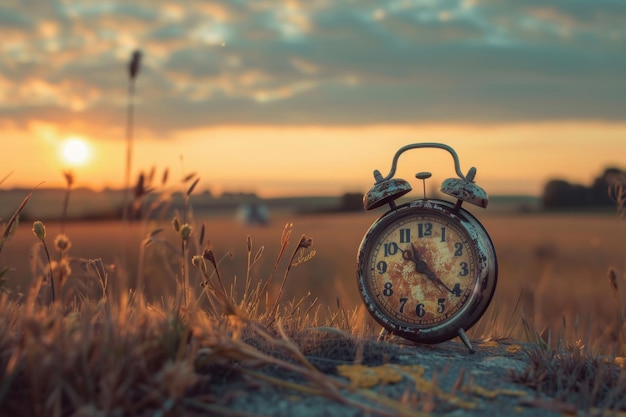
309,97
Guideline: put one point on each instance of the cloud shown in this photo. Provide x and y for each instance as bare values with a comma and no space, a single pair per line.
314,62
14,19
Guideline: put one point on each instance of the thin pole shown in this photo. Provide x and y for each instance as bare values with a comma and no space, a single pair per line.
133,71
129,148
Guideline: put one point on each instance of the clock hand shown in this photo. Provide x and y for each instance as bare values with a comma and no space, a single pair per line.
422,267
431,275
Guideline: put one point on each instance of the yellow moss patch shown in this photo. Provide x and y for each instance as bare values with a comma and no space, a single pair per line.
362,376
494,344
618,360
513,348
492,394
459,402
367,377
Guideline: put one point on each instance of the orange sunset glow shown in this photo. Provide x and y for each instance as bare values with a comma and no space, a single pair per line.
75,151
511,159
312,207
523,93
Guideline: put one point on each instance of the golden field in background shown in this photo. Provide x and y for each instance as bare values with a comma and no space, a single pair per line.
552,267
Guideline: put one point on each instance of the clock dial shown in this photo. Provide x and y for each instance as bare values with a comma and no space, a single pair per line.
422,269
427,269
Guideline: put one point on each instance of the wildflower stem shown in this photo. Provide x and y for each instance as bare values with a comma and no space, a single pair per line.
284,241
69,179
184,272
303,244
39,229
45,248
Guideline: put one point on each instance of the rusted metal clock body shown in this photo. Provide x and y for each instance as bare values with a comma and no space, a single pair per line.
427,269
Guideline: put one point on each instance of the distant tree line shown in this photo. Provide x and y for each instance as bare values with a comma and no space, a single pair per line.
604,191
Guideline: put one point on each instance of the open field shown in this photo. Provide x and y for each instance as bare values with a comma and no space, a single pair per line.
193,349
555,264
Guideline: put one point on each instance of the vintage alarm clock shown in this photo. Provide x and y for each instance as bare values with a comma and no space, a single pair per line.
427,269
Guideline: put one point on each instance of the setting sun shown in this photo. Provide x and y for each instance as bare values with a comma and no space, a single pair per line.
75,151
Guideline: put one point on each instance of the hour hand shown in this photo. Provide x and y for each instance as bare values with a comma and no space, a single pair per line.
411,254
431,276
421,267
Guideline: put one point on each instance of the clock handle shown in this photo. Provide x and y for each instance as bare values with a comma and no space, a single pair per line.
394,163
387,189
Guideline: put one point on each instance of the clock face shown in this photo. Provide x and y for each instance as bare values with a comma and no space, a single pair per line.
421,272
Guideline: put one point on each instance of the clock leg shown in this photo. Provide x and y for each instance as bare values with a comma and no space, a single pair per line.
466,340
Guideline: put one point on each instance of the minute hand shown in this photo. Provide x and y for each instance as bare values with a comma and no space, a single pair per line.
422,268
431,276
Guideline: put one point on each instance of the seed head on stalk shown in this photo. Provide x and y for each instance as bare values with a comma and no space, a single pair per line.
134,64
39,229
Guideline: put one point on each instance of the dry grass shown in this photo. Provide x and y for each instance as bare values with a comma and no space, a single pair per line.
580,361
554,265
575,376
115,352
199,302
